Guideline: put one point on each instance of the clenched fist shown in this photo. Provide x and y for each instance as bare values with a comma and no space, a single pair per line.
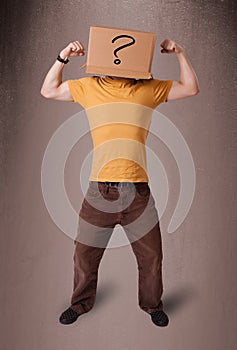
75,48
170,46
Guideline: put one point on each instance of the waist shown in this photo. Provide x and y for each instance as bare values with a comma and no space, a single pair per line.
118,184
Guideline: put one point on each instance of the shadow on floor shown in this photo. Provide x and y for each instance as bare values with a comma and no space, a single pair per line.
176,299
104,292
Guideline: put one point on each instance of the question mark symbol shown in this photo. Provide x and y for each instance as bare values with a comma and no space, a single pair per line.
117,60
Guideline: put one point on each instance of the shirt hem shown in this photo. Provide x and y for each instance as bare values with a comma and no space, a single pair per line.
117,180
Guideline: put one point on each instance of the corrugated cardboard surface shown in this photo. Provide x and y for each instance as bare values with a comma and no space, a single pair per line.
105,47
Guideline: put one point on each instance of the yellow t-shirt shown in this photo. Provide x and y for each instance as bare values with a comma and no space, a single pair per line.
119,114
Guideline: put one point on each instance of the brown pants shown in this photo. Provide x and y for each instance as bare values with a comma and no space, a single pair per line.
133,207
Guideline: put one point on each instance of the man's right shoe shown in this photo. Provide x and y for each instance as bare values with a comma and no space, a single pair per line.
159,318
68,316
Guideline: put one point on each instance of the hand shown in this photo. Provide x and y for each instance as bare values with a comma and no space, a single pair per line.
75,48
170,46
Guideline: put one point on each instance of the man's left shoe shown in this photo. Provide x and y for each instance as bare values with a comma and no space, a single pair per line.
68,316
159,318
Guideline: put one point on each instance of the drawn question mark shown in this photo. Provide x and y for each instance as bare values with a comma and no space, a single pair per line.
117,60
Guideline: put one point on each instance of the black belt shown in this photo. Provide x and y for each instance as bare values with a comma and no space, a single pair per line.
120,184
117,184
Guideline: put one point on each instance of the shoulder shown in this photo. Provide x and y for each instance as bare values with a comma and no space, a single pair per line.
85,80
160,84
158,89
82,84
81,80
152,81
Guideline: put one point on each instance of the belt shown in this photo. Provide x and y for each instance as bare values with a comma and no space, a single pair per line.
119,184
116,184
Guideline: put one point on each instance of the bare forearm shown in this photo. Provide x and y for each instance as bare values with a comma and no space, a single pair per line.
187,74
53,87
188,83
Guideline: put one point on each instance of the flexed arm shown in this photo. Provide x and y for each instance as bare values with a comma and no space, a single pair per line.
53,87
188,82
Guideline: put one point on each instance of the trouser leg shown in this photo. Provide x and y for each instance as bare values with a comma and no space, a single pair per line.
141,225
148,252
86,264
95,228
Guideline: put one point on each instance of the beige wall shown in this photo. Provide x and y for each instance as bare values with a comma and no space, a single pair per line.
36,256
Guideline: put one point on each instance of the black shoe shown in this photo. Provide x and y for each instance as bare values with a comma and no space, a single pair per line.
68,316
159,318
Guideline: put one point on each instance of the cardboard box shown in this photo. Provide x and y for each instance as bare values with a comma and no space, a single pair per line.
120,52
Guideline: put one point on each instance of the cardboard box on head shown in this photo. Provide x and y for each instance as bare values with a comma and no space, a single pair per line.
120,52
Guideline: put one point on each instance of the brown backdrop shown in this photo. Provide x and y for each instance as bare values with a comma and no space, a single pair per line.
36,256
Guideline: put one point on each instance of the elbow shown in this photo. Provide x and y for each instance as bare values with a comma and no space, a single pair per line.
194,91
45,93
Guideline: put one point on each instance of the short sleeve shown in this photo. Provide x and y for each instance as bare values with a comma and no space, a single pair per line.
161,89
77,89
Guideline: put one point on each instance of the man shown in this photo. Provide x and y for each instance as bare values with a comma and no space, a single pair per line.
118,190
